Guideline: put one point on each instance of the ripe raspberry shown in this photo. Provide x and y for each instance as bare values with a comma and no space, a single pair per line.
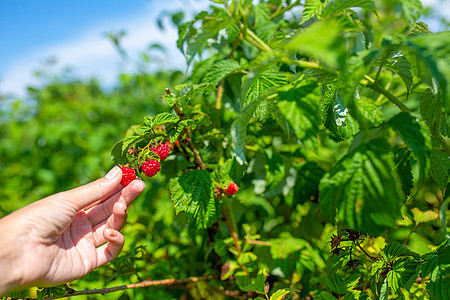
151,167
231,189
128,175
162,151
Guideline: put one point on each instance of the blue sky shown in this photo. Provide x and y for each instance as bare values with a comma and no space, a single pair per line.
32,31
72,31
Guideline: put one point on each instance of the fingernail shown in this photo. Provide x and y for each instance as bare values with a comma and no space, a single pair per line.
113,173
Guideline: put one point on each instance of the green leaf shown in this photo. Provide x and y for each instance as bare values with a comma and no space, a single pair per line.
419,28
161,119
443,218
117,154
335,116
403,271
248,284
430,52
170,99
279,294
283,246
400,65
394,250
310,9
219,70
193,193
415,136
433,113
334,6
423,216
411,9
403,166
238,131
228,269
437,266
363,189
264,27
325,296
299,106
256,86
329,49
440,168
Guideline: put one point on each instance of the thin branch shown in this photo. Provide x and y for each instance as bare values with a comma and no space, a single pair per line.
373,259
197,158
282,11
370,83
145,283
260,243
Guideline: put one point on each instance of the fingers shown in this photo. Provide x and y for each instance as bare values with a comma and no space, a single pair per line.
110,250
94,192
116,221
103,211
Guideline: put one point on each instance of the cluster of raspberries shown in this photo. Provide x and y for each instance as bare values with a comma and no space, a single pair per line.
150,168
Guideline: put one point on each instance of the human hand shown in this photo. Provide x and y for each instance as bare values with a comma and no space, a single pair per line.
65,236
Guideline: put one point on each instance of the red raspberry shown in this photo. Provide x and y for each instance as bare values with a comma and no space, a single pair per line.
128,175
151,167
162,151
231,189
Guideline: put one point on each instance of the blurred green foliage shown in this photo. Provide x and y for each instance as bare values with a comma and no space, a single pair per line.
301,101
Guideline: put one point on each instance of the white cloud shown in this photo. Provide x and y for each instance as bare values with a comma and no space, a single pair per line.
92,55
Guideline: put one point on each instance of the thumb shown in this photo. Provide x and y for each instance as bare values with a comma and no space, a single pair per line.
96,191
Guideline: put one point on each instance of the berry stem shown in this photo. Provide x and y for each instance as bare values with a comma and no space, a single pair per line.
197,158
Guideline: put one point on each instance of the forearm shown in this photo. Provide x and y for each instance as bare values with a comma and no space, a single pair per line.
11,250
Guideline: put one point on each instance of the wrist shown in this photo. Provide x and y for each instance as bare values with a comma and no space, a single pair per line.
11,252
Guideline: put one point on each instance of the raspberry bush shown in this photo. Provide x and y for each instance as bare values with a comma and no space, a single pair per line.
327,122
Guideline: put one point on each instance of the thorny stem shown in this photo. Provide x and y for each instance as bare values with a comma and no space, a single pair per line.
197,158
141,284
373,259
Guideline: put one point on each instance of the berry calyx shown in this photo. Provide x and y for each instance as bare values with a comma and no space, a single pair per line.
163,151
151,168
128,175
231,189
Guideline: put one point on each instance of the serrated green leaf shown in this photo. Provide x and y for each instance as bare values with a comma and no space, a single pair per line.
363,189
279,294
219,70
161,119
170,99
233,32
440,168
255,86
419,28
430,52
310,9
193,193
248,284
334,6
400,65
437,266
433,114
443,217
403,166
414,135
394,250
238,131
400,275
265,28
325,296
